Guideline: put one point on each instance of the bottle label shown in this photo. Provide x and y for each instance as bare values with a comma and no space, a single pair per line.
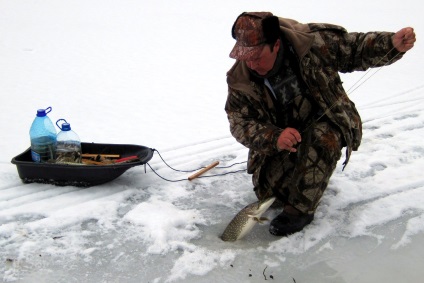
43,149
35,156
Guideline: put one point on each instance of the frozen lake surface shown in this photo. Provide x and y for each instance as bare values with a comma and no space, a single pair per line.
152,73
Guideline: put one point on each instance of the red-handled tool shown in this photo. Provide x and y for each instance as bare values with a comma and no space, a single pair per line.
126,159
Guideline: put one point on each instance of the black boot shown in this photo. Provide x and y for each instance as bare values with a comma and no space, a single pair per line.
286,223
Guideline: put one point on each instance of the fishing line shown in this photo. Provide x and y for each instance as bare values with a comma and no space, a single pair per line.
354,87
350,91
359,83
188,171
372,69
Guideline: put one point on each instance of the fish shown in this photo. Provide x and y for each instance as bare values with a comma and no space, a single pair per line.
244,221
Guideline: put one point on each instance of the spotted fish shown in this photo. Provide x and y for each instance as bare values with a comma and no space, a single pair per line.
244,221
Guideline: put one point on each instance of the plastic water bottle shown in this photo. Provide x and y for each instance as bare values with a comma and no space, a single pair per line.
43,137
68,144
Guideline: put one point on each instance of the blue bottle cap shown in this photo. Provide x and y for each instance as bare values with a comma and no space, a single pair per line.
66,127
43,112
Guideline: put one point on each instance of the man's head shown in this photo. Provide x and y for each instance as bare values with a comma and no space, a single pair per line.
257,35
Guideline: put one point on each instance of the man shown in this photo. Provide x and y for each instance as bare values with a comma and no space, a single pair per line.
286,103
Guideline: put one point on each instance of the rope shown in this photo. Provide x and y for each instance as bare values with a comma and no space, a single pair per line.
188,171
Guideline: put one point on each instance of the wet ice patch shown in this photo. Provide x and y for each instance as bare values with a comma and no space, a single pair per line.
200,262
385,209
413,227
164,226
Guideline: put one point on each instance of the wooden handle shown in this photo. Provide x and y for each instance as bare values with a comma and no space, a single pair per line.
101,155
198,173
92,162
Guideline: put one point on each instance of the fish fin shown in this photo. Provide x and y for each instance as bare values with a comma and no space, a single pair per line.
265,219
256,218
261,220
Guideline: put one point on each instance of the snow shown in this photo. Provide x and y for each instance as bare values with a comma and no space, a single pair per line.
153,73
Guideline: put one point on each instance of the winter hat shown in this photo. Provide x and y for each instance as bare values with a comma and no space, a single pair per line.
252,30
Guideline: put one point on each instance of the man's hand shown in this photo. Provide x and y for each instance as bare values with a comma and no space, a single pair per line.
404,39
288,139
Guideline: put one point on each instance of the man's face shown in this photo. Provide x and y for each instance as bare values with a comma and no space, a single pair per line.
266,59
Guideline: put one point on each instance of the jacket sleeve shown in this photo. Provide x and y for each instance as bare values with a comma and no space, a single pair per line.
361,51
357,51
249,123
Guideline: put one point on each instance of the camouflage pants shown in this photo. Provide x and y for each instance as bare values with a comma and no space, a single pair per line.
300,178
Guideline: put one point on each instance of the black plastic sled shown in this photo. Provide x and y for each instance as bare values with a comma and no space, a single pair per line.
81,175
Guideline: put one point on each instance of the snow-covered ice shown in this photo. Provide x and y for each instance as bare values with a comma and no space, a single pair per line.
153,73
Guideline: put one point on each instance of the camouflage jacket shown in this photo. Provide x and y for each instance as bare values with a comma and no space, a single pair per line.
323,50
